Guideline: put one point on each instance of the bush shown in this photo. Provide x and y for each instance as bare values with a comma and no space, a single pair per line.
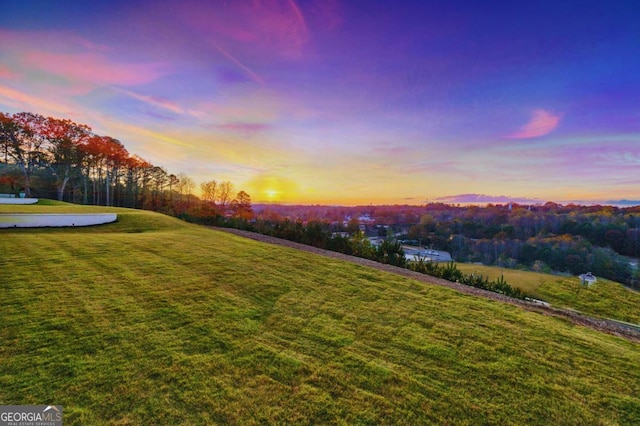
390,252
450,272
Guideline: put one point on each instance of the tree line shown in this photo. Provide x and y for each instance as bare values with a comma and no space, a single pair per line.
57,158
550,238
553,238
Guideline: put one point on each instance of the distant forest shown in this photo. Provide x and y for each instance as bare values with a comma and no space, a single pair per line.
554,238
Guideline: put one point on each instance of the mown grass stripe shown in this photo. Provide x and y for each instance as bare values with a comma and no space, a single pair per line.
153,321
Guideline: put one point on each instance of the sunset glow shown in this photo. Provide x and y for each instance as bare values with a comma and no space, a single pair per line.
344,102
271,194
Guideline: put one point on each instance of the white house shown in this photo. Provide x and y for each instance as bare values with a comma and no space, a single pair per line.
588,279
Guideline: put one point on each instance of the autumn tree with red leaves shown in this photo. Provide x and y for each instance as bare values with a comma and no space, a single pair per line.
23,143
81,166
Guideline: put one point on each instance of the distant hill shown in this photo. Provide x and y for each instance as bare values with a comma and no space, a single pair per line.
155,321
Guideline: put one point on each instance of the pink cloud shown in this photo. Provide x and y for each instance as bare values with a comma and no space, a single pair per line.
7,74
24,101
60,41
93,68
62,57
542,123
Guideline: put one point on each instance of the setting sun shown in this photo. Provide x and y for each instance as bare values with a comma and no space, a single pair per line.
271,194
272,189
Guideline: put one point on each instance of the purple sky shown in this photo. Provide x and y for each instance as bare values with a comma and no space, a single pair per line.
346,102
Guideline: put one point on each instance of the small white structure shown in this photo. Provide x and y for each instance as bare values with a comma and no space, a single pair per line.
412,253
588,279
15,220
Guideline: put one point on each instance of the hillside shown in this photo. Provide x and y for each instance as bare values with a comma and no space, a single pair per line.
605,299
154,321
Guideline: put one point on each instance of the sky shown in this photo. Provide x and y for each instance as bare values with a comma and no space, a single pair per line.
347,102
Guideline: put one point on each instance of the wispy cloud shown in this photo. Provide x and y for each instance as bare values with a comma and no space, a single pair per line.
279,24
23,101
68,65
301,21
152,100
7,74
56,40
248,71
542,123
267,27
433,167
244,128
93,69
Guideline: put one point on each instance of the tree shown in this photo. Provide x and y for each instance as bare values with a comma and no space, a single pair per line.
10,177
116,156
185,186
159,180
353,226
63,140
632,238
390,252
23,142
173,181
104,159
361,246
241,206
8,129
209,191
92,170
136,179
615,239
225,194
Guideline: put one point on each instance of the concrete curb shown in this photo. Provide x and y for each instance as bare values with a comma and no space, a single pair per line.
14,220
15,201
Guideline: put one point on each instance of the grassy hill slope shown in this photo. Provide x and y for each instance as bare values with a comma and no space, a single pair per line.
606,299
154,321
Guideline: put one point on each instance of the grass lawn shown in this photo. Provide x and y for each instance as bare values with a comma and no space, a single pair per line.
606,299
155,321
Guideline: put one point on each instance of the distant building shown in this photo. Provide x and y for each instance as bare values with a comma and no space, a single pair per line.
588,279
428,255
366,219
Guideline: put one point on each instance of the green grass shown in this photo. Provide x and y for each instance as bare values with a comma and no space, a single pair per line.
606,299
155,321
